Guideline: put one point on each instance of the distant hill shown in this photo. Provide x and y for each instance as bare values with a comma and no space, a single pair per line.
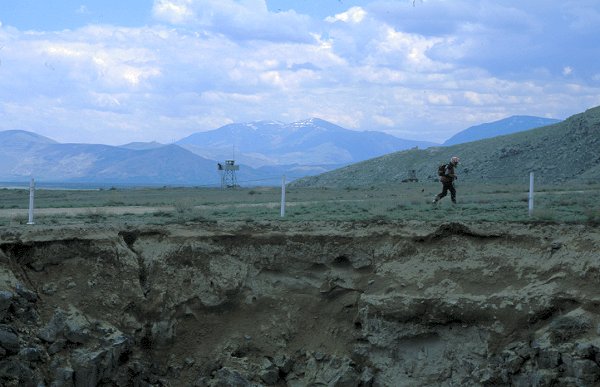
142,145
304,143
503,127
21,139
15,148
563,151
25,154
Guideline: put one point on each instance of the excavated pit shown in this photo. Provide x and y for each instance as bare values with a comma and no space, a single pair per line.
334,304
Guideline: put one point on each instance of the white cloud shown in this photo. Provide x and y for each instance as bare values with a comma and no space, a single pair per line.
61,50
208,63
105,100
353,15
83,10
173,11
383,121
476,98
221,97
348,120
439,99
112,67
410,50
381,76
240,20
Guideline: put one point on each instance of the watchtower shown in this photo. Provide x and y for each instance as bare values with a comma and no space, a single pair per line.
227,171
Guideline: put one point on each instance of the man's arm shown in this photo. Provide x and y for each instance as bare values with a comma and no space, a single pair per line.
450,173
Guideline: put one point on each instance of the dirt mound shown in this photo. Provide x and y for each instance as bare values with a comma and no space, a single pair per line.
280,304
446,230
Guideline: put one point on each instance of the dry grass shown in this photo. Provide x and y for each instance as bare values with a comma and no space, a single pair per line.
410,201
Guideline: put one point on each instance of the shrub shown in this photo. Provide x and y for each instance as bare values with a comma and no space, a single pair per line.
592,216
93,215
19,219
114,203
565,328
184,206
162,213
543,216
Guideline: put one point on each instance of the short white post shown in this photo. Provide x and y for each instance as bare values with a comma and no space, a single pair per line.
31,200
283,196
530,193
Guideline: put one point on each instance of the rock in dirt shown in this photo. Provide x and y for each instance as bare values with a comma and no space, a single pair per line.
54,328
6,299
27,294
9,339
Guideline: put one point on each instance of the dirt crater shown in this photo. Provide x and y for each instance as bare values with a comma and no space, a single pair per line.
388,304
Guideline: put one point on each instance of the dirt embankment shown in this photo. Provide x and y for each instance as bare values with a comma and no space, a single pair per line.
336,304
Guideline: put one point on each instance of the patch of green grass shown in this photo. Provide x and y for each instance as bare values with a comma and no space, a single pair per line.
476,202
19,219
114,203
592,216
163,214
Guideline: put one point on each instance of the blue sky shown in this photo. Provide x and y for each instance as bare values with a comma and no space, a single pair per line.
115,71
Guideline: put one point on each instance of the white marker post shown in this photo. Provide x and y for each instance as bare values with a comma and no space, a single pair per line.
530,193
31,200
283,196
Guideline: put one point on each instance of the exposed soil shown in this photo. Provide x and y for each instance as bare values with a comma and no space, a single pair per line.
296,304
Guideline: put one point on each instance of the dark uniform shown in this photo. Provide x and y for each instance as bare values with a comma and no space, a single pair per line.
447,181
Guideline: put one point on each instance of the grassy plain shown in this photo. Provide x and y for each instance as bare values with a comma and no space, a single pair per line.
562,203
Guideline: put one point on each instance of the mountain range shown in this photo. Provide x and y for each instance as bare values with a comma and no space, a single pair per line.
568,150
312,142
265,149
502,127
25,154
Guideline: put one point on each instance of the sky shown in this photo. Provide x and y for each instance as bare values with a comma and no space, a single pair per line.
114,71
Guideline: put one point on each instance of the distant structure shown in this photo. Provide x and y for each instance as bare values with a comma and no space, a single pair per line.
412,177
227,171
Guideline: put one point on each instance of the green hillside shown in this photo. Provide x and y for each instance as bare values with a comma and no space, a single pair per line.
564,151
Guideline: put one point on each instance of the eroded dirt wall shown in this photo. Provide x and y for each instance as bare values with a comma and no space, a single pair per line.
337,304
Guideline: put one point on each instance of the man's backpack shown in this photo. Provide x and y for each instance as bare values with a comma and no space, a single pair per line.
442,170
